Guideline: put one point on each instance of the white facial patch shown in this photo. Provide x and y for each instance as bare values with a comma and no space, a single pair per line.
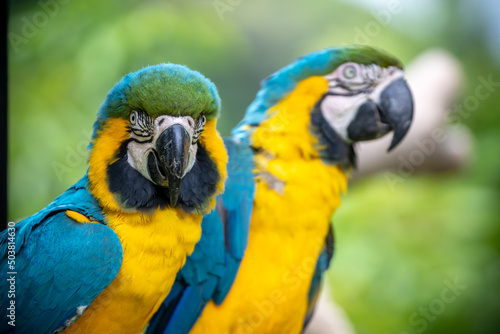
137,157
351,85
339,111
139,150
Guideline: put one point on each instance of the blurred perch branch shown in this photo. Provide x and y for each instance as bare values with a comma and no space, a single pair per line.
436,79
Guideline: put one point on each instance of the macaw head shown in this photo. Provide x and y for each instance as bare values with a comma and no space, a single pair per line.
367,97
343,95
155,144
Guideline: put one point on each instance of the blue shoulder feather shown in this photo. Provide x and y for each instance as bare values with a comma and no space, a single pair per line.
210,271
60,265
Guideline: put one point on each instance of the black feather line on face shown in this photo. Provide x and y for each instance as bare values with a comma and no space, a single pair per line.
332,149
134,191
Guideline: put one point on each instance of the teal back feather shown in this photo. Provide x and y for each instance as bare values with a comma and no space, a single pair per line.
61,265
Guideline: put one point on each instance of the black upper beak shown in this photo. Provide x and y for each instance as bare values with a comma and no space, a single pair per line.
396,104
394,111
172,147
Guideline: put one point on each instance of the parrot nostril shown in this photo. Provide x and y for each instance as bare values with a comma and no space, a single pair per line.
190,122
161,121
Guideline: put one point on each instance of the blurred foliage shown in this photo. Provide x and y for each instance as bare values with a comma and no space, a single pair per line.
394,256
394,248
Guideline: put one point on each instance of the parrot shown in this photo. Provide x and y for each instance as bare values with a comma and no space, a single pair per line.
103,256
259,264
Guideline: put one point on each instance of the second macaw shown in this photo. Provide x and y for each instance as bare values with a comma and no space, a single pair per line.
258,266
102,257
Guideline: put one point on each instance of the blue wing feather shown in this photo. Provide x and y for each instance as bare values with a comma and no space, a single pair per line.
210,271
61,265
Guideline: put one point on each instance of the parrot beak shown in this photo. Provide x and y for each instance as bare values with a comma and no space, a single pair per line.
169,162
392,110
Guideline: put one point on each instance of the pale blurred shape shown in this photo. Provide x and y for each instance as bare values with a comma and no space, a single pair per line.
328,318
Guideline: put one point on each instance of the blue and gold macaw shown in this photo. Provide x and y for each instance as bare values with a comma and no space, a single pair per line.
258,266
103,256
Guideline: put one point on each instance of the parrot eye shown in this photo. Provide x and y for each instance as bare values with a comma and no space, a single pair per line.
349,72
141,124
133,117
200,124
352,79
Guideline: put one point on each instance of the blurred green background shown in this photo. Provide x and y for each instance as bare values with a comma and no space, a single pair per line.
396,251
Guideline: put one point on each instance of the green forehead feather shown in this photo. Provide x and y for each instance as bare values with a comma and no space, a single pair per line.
164,89
365,55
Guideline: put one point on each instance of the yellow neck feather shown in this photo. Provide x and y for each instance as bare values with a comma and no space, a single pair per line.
103,153
292,181
286,132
